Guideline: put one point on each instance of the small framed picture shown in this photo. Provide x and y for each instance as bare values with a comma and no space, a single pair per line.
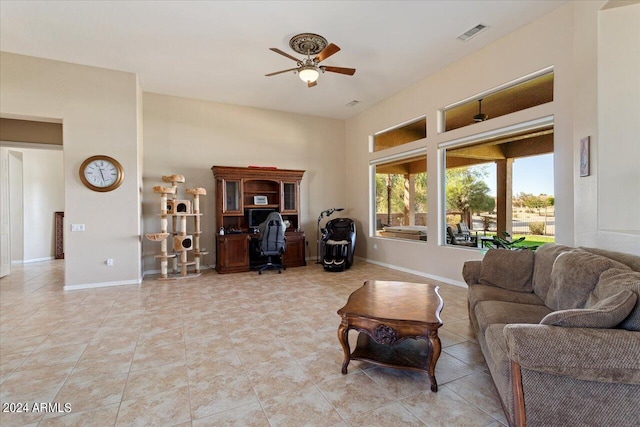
260,200
584,156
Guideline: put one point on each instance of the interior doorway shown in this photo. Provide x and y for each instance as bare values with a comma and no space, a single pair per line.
32,190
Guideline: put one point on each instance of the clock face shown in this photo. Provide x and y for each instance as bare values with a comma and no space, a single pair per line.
101,173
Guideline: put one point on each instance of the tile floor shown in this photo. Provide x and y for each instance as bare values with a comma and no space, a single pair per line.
240,349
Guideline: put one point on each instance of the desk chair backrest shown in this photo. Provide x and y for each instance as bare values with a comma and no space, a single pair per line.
272,230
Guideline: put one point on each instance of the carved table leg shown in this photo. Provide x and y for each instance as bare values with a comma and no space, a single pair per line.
343,337
434,354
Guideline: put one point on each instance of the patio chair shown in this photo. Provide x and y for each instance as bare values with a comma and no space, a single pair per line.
456,238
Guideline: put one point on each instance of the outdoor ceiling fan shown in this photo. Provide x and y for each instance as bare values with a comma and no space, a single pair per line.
480,117
308,69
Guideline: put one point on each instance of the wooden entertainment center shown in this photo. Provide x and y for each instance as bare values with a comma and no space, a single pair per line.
242,196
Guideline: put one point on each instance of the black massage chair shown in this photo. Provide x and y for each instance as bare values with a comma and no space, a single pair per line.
338,244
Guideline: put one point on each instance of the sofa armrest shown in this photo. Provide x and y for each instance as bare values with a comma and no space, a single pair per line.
603,355
471,272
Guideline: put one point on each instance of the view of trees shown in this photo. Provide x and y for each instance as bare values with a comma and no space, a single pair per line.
530,201
397,184
467,192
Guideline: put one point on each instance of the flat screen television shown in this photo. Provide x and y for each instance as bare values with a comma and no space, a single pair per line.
258,216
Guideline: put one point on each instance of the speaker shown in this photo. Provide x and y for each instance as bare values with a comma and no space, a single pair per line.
178,207
182,243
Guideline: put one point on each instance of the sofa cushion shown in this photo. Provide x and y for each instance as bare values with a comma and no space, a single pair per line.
573,277
543,259
507,269
490,312
606,313
497,357
613,281
477,293
631,261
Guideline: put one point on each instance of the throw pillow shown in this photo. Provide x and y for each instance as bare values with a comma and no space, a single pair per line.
543,259
573,276
507,269
606,313
613,281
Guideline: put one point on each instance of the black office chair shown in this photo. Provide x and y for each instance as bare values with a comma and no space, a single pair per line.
272,242
338,244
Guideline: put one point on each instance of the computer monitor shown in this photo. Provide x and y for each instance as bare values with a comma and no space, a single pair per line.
258,216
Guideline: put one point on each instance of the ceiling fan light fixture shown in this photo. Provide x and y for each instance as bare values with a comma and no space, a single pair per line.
309,74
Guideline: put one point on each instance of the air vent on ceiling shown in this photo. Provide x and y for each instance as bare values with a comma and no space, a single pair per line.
472,32
353,103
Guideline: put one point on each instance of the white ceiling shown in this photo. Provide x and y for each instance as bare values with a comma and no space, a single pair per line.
218,50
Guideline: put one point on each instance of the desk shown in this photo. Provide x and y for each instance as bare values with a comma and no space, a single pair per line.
398,324
234,252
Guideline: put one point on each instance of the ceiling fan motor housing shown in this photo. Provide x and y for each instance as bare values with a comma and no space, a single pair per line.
308,43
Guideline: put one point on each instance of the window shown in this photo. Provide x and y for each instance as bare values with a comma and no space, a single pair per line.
502,183
514,97
400,135
400,208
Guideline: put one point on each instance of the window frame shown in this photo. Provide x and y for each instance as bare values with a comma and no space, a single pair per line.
408,154
527,126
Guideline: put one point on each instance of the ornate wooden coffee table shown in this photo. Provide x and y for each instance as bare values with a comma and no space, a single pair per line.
398,324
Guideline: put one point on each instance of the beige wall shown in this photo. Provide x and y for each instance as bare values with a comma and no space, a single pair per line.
546,42
98,110
566,39
187,137
102,113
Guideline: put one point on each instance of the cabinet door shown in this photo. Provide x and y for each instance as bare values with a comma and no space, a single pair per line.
294,254
232,196
232,253
289,200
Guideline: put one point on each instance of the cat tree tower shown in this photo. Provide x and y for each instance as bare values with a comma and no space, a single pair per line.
182,243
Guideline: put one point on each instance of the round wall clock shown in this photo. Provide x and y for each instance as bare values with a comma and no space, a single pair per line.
101,173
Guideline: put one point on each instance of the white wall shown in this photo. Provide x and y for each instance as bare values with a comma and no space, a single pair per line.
188,137
16,213
619,119
42,188
613,182
546,42
99,112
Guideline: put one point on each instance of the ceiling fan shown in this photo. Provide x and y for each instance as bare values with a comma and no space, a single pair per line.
308,69
480,117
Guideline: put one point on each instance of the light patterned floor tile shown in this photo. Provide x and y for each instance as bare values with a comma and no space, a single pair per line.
445,408
245,416
304,407
239,349
168,408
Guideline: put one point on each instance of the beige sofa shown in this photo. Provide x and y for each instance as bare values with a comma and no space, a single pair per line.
560,331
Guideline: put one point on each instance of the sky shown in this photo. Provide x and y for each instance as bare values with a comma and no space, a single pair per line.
532,175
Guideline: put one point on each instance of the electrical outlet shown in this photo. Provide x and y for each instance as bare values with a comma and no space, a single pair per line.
110,262
77,227
375,246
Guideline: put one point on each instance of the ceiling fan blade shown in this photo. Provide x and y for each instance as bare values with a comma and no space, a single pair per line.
280,72
341,70
312,84
326,52
276,50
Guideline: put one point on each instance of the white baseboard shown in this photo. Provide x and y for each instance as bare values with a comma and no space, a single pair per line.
101,285
417,273
27,261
